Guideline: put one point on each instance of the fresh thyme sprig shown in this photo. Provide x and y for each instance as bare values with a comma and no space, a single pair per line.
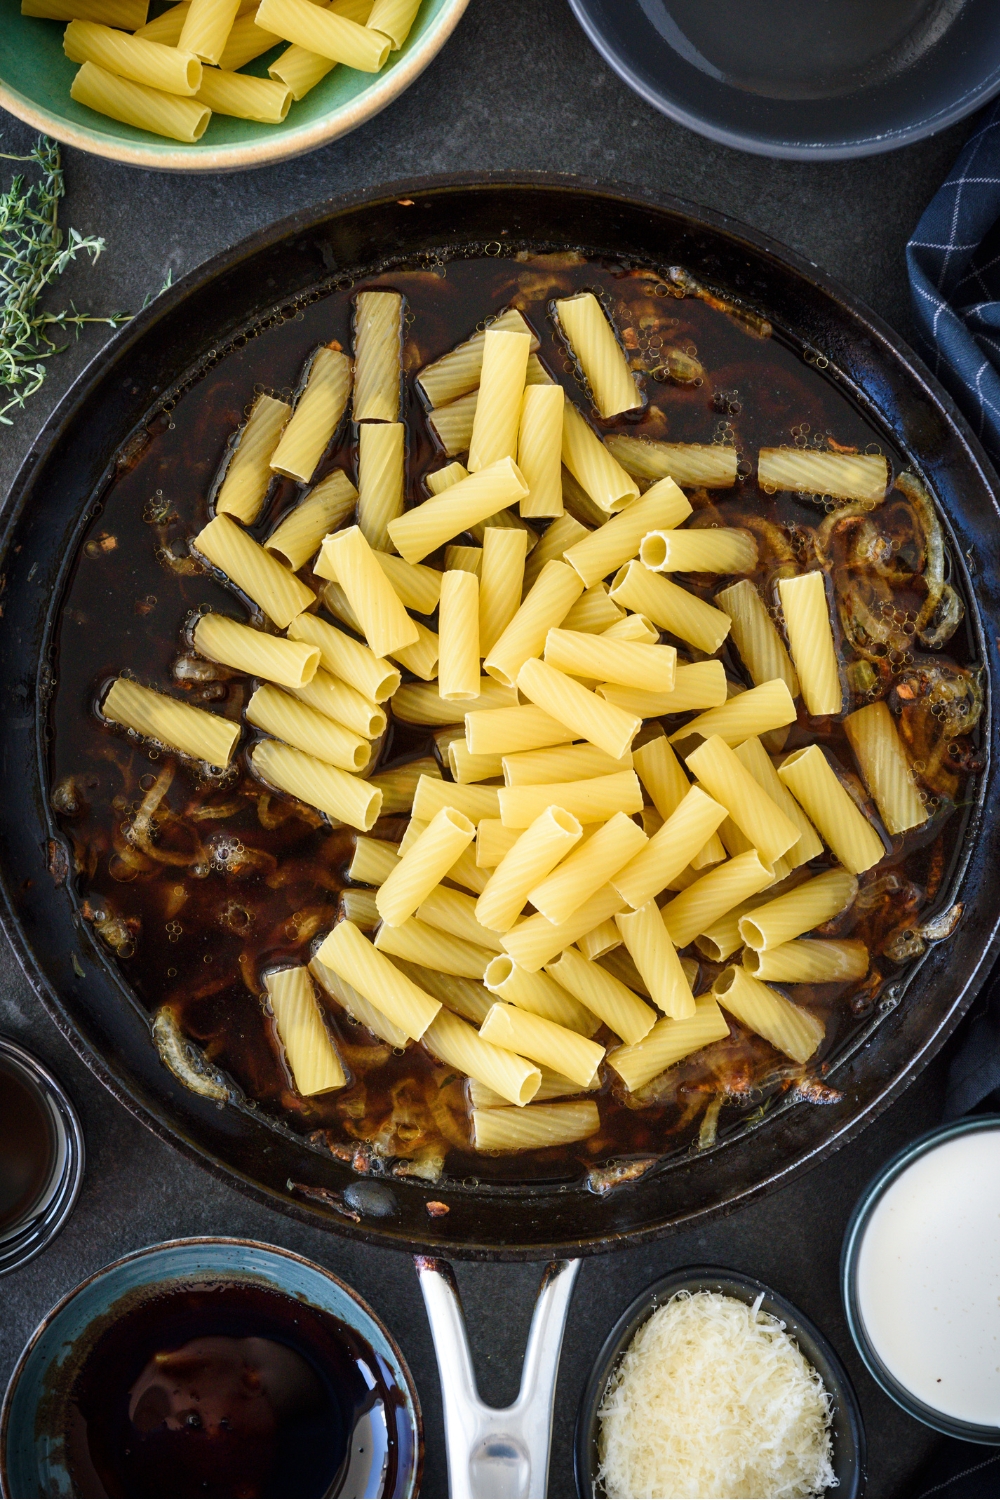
33,252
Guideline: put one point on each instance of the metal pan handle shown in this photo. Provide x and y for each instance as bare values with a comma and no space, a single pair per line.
497,1453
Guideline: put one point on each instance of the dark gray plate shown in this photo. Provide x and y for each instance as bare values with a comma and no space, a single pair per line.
826,78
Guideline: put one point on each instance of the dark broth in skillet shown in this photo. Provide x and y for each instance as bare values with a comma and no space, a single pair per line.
245,878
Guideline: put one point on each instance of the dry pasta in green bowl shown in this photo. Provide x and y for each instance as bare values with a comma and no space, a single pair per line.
210,85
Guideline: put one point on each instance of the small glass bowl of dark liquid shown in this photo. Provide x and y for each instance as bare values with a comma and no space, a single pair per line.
41,1156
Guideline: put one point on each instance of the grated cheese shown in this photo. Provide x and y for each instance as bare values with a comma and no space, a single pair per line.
713,1398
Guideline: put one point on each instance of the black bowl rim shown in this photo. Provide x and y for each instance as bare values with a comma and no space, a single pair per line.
301,223
847,1409
410,1392
764,145
36,1234
875,1189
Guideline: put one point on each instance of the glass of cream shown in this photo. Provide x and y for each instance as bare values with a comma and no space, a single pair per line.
920,1277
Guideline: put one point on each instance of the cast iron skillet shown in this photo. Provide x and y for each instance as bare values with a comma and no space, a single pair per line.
55,495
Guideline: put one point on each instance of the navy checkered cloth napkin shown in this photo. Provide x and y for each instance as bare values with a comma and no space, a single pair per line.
954,265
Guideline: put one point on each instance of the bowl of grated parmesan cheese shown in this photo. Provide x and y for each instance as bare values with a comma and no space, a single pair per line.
711,1384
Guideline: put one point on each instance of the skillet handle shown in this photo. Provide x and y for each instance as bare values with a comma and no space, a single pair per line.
497,1453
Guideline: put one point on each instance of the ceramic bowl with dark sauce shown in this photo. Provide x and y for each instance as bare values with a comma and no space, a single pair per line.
211,1367
41,1156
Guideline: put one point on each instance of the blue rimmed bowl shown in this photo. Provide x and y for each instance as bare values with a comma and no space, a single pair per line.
847,1430
32,1439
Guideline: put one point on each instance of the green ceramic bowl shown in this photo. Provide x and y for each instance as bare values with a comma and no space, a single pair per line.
35,79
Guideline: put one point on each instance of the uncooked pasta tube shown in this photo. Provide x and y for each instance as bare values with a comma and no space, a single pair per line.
298,534
347,659
207,26
790,1028
466,997
297,724
469,559
633,628
809,961
245,97
661,774
755,636
290,663
592,466
460,1046
418,587
373,861
539,994
399,784
652,668
844,476
814,784
458,373
309,1052
535,942
592,801
416,704
501,386
768,706
535,1127
378,356
599,941
381,479
613,1002
249,474
553,594
546,840
709,549
452,424
321,405
503,731
797,911
359,907
810,635
592,340
424,865
475,801
562,534
128,15
493,842
770,831
539,449
591,717
458,674
455,912
323,31
135,104
357,1006
594,612
560,763
279,593
884,765
647,940
583,871
553,1086
755,758
349,953
192,731
670,606
553,1046
334,792
158,67
667,1043
465,767
165,28
430,525
347,557
501,577
700,685
670,850
604,551
433,949
713,895
245,42
693,465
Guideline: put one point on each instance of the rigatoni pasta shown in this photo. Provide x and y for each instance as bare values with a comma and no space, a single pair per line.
459,506
424,865
276,589
182,727
321,405
844,476
654,955
494,426
298,534
539,449
560,763
755,635
790,1028
378,356
292,664
323,31
885,767
540,994
813,783
586,869
809,961
592,466
136,104
807,620
458,672
546,840
693,465
614,1003
669,851
547,603
563,1051
667,1043
311,1057
158,67
348,559
709,898
535,1127
768,706
248,472
700,685
349,953
797,911
332,791
381,479
459,1045
592,340
500,581
670,606
710,549
652,668
770,831
591,801
295,723
611,729
347,659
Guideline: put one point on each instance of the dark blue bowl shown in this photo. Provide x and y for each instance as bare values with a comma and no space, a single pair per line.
847,1430
803,78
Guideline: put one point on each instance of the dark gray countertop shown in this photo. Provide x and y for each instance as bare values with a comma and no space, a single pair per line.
518,87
